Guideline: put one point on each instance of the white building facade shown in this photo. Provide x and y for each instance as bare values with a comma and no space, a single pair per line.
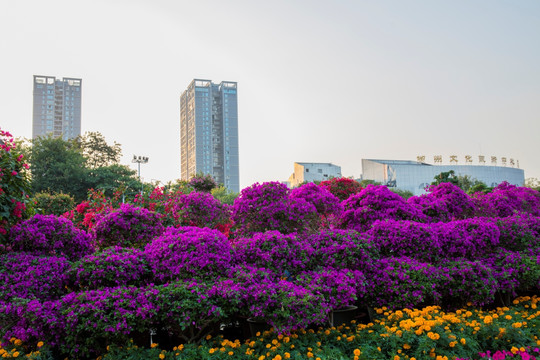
310,172
416,176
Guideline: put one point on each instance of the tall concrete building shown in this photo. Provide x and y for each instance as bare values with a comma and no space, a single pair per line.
209,132
57,107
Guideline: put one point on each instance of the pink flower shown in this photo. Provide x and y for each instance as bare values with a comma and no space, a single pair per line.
20,157
14,173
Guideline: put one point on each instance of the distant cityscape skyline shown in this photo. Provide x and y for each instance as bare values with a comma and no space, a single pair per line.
209,132
56,107
335,82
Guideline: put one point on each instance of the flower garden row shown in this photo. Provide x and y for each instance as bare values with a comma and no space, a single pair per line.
428,333
187,265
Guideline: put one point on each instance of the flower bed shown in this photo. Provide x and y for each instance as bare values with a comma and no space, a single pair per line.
280,264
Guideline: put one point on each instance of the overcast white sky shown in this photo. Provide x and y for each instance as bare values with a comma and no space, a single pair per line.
318,81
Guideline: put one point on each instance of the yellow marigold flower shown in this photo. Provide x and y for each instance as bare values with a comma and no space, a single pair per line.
40,344
355,357
208,337
514,350
274,342
508,317
287,355
515,302
154,345
230,353
379,311
357,352
516,325
211,351
326,332
406,346
18,342
161,356
309,354
15,354
268,346
396,357
463,341
277,357
488,320
413,358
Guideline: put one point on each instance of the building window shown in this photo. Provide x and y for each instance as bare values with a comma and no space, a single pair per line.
307,170
320,171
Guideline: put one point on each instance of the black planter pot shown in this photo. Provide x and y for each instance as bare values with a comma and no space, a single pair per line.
256,326
343,315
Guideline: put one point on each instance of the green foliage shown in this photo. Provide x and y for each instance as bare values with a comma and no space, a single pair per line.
446,177
56,204
58,166
97,152
224,195
403,193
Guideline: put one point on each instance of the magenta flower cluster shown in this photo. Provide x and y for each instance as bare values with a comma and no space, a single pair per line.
128,226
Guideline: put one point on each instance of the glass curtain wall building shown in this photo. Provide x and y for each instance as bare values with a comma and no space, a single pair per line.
57,107
209,132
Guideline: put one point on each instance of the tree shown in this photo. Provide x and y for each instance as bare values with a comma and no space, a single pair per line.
445,176
224,195
97,152
58,166
113,177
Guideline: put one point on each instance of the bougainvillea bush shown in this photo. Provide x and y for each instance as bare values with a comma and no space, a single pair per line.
110,267
50,235
444,202
507,200
267,206
128,226
14,185
280,265
199,209
374,203
188,252
342,188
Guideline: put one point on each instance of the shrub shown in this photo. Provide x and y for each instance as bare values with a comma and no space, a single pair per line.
466,281
14,185
28,276
519,232
111,267
405,238
199,209
97,318
401,282
186,252
263,207
376,202
342,188
341,249
339,288
283,254
128,226
507,200
203,183
469,238
444,202
323,200
514,271
50,235
53,204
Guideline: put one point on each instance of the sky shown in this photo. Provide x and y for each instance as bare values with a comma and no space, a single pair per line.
318,81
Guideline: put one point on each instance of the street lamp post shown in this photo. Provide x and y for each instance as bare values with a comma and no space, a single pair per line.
140,160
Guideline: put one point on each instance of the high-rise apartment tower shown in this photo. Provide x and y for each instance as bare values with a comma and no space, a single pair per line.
209,132
57,107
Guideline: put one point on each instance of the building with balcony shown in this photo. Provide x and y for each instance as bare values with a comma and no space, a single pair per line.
57,107
209,132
